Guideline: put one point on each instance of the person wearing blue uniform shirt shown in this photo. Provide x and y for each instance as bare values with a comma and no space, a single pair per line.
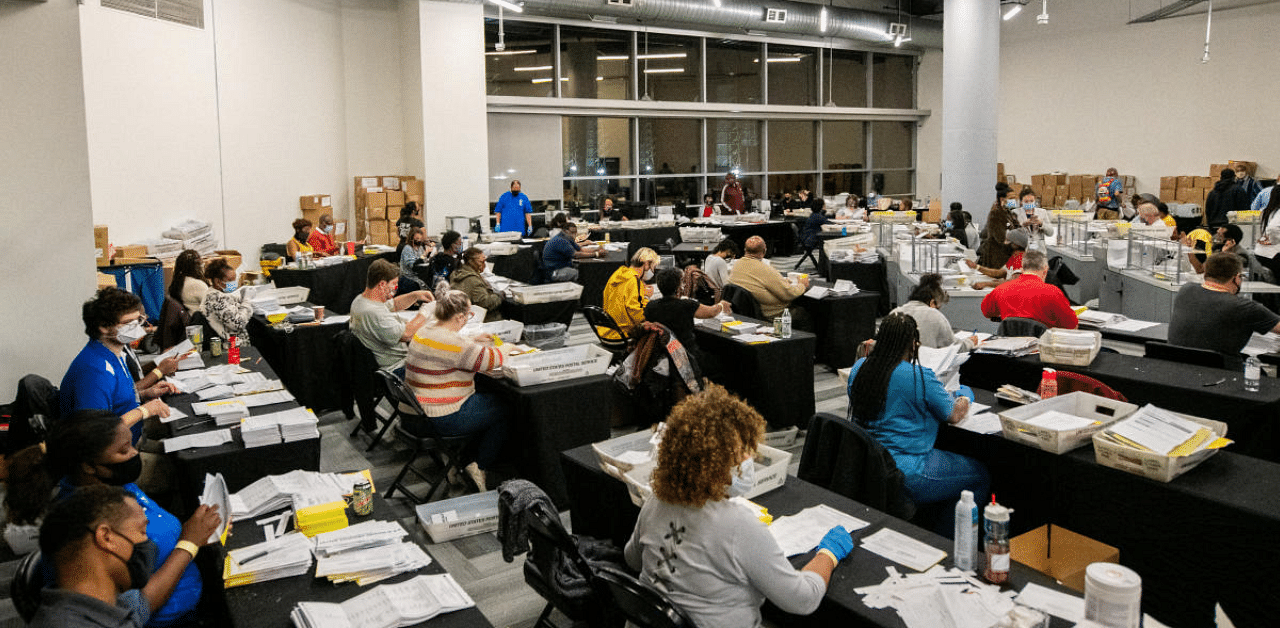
560,251
514,211
99,378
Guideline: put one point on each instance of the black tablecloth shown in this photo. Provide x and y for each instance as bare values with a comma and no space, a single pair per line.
866,277
594,275
636,239
550,418
841,323
776,378
539,313
307,360
1250,417
521,266
692,252
602,508
778,236
1206,537
332,286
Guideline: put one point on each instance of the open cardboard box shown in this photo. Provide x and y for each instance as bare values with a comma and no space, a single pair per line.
1061,554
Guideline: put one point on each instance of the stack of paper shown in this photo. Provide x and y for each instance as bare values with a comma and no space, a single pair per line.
939,597
387,605
1011,346
277,491
257,386
1160,431
903,549
739,327
313,519
285,426
367,552
192,441
225,412
945,363
801,532
1095,318
259,433
215,494
287,556
364,535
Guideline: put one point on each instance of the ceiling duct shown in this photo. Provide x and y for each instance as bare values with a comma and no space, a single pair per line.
1167,11
802,19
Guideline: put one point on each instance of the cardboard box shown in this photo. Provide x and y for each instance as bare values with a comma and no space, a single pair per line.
1057,179
416,198
1205,183
1037,180
1062,191
315,201
393,212
1252,167
1188,195
1168,194
414,188
131,250
314,215
1215,170
394,198
999,171
1169,182
339,231
390,183
1061,554
375,213
379,228
233,257
1186,182
106,281
375,199
100,243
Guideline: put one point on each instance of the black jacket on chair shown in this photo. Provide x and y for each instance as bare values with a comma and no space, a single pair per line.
842,457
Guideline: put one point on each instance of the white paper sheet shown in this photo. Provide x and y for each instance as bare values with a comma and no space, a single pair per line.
193,441
903,549
801,532
1056,603
981,423
1059,421
215,494
1131,325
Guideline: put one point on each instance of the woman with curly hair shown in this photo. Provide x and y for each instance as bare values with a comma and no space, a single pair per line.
714,558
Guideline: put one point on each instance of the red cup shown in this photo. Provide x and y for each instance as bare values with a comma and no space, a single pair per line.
351,248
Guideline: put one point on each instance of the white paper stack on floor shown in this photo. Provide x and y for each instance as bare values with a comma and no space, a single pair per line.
285,557
387,605
939,597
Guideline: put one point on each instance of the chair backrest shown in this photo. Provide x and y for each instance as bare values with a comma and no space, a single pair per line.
554,553
35,408
359,365
279,249
1186,355
641,604
173,323
841,456
1017,326
1075,382
742,300
401,398
597,318
26,585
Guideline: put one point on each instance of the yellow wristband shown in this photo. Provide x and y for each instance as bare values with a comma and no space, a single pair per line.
829,554
188,547
158,373
145,413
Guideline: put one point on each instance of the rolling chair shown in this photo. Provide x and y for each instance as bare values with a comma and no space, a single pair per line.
640,604
1017,326
597,318
406,408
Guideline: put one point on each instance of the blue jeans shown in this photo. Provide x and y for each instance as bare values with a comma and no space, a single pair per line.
944,474
483,414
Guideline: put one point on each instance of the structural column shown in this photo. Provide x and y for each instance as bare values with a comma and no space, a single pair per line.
970,89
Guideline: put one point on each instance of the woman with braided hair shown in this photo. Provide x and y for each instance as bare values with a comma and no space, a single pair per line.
902,404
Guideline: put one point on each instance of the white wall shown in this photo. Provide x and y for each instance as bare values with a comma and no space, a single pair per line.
525,147
374,99
929,132
44,181
1087,91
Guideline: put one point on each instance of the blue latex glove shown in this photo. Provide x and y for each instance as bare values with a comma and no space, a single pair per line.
838,542
965,391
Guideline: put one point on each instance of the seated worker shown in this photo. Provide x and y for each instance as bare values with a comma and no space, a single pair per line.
441,371
1016,240
708,205
607,211
374,320
716,560
813,225
188,285
557,224
1148,214
90,539
1211,316
1226,238
1028,296
677,313
98,378
405,224
902,404
416,251
92,448
933,327
627,292
695,285
559,252
468,280
851,210
301,240
321,238
224,304
957,226
1163,209
446,258
716,266
766,284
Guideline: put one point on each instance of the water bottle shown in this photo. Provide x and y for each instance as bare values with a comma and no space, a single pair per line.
966,531
997,544
1252,373
786,325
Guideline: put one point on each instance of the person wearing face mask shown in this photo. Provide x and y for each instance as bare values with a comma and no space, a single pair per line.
1035,219
1212,316
1226,196
445,260
1107,196
406,223
1246,182
994,250
98,378
514,210
1204,241
628,291
224,304
957,226
417,251
1017,240
321,238
301,240
765,283
90,450
374,320
713,558
469,280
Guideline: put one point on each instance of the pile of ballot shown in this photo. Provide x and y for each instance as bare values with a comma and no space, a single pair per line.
285,426
366,553
940,597
1160,431
193,234
312,519
387,605
1009,346
283,557
279,491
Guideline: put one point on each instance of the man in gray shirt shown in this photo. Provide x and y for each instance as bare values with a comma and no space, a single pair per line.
1211,316
374,320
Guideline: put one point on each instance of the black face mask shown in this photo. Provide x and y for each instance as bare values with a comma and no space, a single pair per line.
123,473
140,563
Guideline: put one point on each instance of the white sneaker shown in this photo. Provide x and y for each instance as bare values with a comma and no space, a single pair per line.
476,475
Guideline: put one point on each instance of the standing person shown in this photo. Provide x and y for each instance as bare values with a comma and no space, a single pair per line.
300,242
995,250
224,304
373,315
1249,184
467,278
1227,196
731,196
1108,194
188,285
716,266
1035,219
514,211
406,223
813,226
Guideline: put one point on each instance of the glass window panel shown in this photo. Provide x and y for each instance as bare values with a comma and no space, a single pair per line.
668,190
847,84
590,193
733,144
894,183
670,145
597,63
596,146
791,145
844,145
733,71
669,67
509,72
750,188
793,75
893,81
783,183
840,182
893,144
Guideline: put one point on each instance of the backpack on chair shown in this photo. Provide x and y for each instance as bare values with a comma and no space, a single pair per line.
658,373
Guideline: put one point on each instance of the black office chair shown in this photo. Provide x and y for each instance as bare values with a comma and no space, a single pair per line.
808,247
842,457
360,390
558,571
1018,326
1186,355
28,581
34,409
407,409
597,318
173,324
640,604
742,300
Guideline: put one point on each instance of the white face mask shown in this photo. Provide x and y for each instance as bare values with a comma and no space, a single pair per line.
648,274
743,478
130,332
328,229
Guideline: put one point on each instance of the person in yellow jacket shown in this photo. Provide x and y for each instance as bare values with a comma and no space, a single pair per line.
628,292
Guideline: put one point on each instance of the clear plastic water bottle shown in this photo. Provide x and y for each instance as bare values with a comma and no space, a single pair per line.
786,325
997,545
1252,373
966,531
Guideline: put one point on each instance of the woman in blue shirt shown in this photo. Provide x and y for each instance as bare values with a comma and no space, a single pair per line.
94,447
902,404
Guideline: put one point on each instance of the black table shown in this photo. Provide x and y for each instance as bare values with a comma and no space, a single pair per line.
1206,537
269,603
776,378
602,508
333,286
841,323
594,275
550,418
866,276
779,236
521,266
636,239
686,252
307,359
1191,389
539,313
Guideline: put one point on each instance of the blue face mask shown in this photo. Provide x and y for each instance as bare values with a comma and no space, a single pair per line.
1029,206
949,224
231,286
1011,203
743,478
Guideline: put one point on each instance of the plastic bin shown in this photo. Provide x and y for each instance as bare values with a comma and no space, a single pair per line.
557,365
1014,424
546,293
463,516
771,473
1148,464
1055,348
508,331
546,336
616,452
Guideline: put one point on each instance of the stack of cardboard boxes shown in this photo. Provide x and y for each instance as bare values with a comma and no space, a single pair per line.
1057,188
314,206
1194,189
378,204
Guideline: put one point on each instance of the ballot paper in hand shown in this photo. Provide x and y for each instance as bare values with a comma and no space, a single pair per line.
215,494
387,605
180,349
801,532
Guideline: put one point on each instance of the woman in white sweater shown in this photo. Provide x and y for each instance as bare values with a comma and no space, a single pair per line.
935,329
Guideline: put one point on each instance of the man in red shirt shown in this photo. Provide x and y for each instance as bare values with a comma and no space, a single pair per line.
1028,296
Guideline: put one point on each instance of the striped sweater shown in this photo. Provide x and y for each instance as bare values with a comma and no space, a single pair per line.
442,367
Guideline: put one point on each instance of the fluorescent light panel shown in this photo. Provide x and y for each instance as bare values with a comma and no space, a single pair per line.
511,6
1013,10
664,70
656,55
532,68
507,53
546,80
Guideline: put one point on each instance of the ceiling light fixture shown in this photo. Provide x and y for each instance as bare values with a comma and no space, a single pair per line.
546,80
509,5
507,53
532,68
824,20
663,70
1043,18
1208,30
1014,9
613,58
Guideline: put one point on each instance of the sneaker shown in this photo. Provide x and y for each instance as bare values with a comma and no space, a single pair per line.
476,475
